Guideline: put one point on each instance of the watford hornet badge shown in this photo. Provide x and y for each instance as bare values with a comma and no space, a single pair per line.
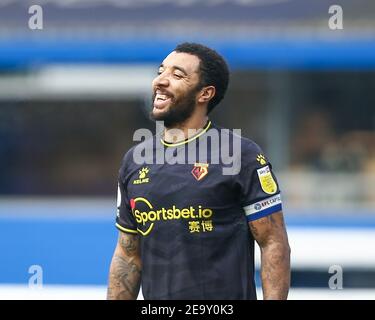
200,170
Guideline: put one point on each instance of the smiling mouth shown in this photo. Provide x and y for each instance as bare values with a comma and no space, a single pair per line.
161,100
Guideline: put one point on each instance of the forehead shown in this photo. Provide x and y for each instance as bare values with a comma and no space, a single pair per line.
187,61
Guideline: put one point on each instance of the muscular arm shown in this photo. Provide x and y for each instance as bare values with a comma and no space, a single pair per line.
125,270
270,234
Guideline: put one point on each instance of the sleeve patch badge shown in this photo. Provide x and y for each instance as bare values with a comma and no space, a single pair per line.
266,180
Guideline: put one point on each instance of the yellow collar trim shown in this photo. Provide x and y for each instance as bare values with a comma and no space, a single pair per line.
208,125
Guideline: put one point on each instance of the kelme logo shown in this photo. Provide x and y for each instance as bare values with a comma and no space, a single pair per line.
142,176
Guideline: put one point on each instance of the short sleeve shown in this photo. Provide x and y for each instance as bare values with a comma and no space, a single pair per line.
260,193
125,220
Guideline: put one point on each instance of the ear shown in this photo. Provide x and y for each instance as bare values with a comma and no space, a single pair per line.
206,94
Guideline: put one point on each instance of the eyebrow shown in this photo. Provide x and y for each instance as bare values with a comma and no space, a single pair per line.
176,67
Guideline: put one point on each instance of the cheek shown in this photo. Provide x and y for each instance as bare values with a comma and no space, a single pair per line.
181,89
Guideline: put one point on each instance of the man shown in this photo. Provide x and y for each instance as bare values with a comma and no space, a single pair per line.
186,230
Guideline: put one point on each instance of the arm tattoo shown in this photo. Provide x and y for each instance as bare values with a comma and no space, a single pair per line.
129,244
125,271
124,279
270,233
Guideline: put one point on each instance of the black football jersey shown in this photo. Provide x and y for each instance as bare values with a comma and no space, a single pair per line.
191,209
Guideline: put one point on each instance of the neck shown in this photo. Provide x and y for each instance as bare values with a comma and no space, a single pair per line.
186,129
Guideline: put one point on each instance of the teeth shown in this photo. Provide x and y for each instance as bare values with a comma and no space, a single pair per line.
161,96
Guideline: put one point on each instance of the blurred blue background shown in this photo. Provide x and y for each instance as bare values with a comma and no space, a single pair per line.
73,93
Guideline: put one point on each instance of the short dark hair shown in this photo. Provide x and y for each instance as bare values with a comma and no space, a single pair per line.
213,69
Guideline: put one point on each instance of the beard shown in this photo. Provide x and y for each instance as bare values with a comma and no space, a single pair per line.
179,110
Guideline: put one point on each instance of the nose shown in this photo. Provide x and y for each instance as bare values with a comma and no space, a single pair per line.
161,80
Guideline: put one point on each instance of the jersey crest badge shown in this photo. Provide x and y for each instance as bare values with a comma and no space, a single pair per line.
266,180
200,170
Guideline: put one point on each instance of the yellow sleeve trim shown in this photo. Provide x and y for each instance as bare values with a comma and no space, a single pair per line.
126,229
